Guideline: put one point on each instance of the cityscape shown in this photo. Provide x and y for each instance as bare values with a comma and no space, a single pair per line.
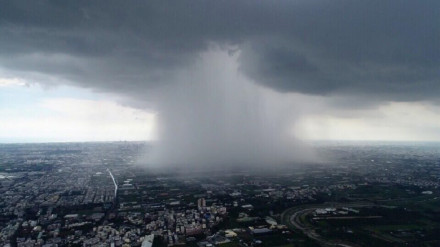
97,194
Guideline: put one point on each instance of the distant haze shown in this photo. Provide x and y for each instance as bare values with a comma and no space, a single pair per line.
226,81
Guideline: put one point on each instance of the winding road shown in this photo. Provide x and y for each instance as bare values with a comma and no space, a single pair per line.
295,221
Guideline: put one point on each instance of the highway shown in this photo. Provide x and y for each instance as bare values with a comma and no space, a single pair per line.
295,221
114,182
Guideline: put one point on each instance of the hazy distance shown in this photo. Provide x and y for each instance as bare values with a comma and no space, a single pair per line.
236,82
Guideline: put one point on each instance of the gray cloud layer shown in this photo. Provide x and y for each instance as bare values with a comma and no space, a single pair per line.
165,54
386,50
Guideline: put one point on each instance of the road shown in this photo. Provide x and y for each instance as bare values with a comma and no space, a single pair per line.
295,221
114,182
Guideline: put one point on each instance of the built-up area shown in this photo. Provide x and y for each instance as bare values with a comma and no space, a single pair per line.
99,194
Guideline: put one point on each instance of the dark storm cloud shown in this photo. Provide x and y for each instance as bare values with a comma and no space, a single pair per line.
386,49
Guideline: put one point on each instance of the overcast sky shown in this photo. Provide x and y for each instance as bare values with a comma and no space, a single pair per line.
140,70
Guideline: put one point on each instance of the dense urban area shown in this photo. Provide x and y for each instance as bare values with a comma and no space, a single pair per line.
98,194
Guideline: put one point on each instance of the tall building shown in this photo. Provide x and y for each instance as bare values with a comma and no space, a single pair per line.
148,241
201,203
